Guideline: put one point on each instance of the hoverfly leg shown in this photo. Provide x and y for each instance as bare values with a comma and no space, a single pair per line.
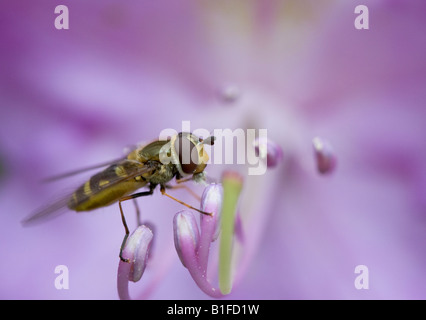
182,180
163,192
182,186
123,219
123,243
138,212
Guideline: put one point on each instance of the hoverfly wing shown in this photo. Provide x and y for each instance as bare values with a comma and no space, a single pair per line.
47,212
108,179
81,170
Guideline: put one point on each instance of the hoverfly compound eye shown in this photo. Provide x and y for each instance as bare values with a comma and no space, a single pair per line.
187,152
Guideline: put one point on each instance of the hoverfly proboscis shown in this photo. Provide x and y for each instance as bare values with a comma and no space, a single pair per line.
141,168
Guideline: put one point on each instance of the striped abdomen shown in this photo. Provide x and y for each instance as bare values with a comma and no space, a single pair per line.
108,186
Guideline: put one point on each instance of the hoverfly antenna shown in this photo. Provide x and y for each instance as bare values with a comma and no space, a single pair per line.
209,140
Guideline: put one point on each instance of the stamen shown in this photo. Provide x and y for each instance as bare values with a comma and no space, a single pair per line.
136,251
324,155
186,241
186,234
269,151
229,93
211,200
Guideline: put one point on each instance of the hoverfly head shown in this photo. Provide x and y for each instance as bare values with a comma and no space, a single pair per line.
189,154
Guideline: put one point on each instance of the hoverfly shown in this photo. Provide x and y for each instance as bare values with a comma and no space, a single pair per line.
142,167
